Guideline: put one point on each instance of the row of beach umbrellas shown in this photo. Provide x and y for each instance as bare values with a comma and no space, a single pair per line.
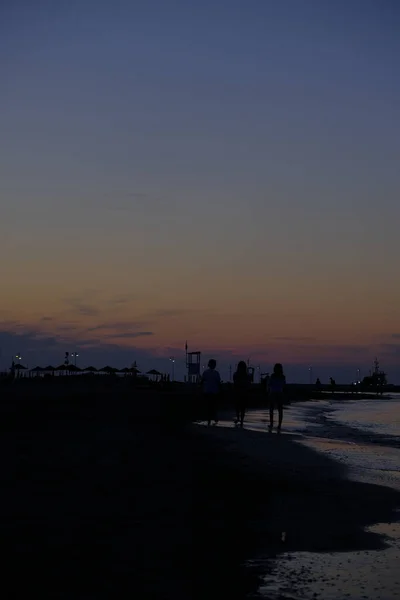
75,369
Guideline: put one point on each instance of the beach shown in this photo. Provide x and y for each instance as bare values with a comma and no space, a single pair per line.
331,491
113,496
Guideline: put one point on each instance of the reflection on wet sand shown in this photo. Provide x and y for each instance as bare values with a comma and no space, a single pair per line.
368,457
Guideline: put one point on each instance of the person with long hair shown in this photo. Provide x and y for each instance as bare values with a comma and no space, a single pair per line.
276,388
241,382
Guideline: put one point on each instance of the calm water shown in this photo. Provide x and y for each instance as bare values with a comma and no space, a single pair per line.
377,417
363,434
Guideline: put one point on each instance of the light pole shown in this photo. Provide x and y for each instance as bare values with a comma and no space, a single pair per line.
172,359
74,356
310,371
18,357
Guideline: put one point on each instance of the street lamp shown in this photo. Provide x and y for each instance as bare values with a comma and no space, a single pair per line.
172,359
18,357
74,356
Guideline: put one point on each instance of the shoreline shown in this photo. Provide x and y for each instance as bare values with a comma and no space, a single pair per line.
293,489
105,497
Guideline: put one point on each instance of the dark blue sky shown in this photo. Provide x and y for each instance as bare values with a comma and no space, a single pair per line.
230,169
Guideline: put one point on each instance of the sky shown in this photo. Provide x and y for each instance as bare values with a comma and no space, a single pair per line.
222,172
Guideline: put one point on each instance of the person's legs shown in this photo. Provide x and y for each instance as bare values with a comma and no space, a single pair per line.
214,407
209,404
237,409
280,411
271,410
242,413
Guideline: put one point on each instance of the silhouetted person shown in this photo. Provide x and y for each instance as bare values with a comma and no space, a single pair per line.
318,384
277,383
333,384
265,382
211,382
241,382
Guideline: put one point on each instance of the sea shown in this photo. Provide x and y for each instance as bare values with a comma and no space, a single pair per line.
364,435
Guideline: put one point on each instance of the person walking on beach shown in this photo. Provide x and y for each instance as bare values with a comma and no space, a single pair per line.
211,381
277,383
241,382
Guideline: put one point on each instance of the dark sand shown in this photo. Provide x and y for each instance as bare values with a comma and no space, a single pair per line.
102,501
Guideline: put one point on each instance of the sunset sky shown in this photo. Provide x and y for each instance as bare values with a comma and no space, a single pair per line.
220,171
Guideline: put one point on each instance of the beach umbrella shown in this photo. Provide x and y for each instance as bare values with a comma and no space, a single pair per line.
109,370
37,370
62,368
134,370
73,369
19,367
154,374
90,369
50,369
125,370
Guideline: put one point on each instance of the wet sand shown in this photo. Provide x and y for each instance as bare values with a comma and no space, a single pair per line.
113,499
332,547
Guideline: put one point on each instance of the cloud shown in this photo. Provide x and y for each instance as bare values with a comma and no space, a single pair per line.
128,334
67,327
28,343
83,308
124,325
91,303
170,312
39,349
120,300
11,325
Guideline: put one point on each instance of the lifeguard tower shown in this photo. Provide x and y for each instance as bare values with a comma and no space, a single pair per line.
193,365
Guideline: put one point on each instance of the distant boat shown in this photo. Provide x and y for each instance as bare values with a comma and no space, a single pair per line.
377,379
